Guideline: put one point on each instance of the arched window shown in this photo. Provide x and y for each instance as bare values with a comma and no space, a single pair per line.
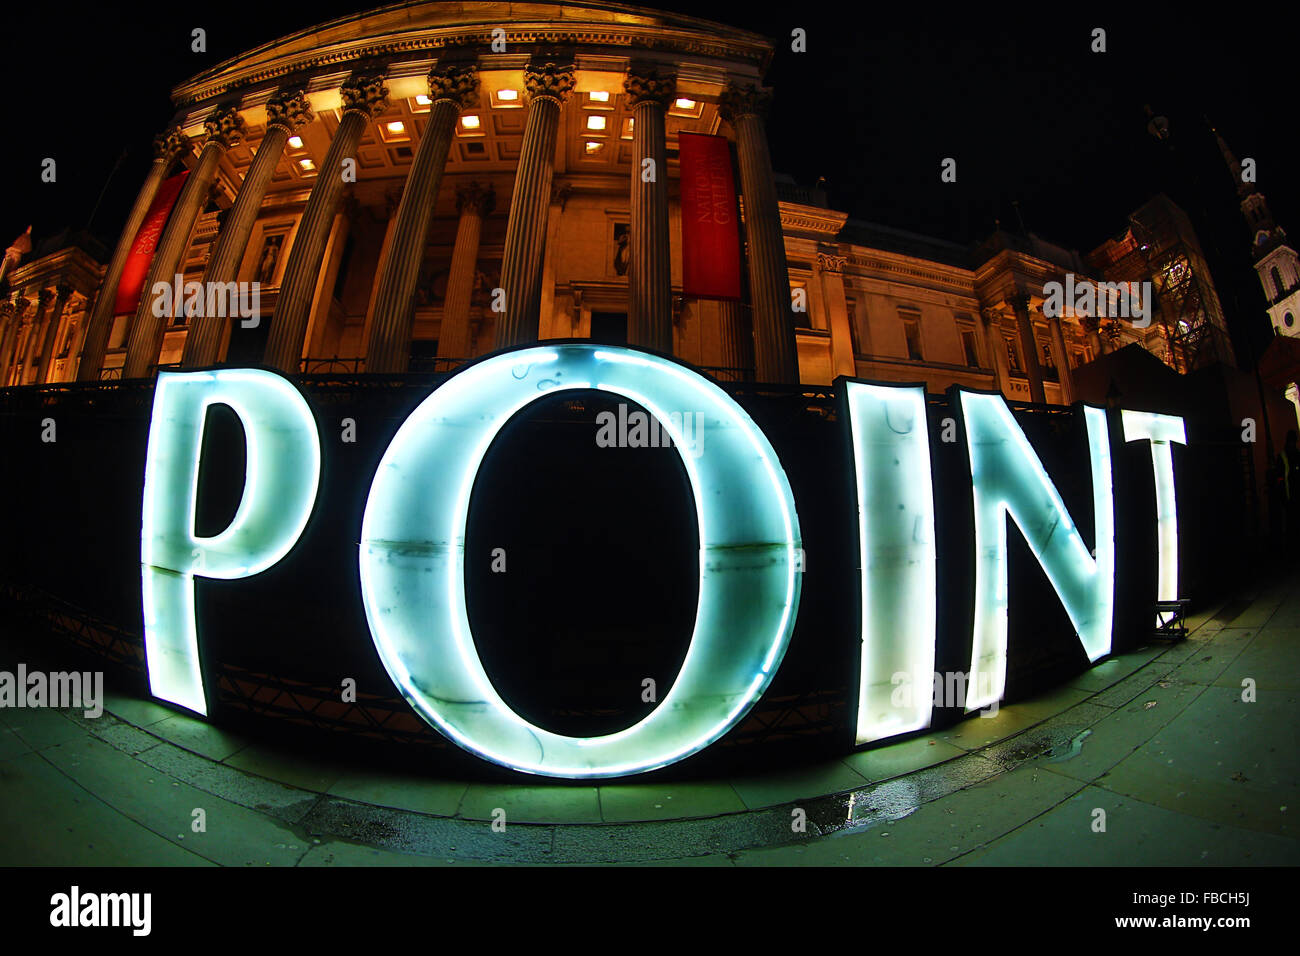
1277,281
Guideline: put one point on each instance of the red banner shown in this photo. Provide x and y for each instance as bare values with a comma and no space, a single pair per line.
710,237
136,269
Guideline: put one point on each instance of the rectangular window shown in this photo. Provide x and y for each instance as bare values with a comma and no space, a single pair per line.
800,305
912,334
969,348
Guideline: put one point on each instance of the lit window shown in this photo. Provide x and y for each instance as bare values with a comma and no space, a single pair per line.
295,142
307,165
508,95
682,103
599,96
423,100
469,122
594,147
595,122
397,127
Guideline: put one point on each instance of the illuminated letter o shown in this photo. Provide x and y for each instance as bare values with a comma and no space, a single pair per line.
412,560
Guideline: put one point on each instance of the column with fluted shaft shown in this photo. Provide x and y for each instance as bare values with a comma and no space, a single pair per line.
736,337
45,368
364,97
1062,357
1028,346
451,88
649,271
286,112
14,349
996,343
775,352
8,336
474,203
168,147
224,127
548,86
32,349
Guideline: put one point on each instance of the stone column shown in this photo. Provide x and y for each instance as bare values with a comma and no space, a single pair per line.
737,338
548,86
1029,346
14,340
474,203
997,345
452,88
8,336
1293,396
1063,374
775,352
168,148
224,127
363,99
35,336
649,271
1092,327
46,367
830,273
286,112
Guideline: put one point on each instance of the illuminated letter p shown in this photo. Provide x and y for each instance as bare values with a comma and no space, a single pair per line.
282,473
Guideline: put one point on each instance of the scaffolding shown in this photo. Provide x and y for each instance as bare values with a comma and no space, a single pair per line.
1166,252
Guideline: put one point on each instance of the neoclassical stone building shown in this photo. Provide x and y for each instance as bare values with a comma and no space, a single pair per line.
426,182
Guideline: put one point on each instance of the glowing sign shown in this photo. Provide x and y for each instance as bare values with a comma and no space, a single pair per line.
283,469
1161,430
891,453
1007,478
412,547
413,560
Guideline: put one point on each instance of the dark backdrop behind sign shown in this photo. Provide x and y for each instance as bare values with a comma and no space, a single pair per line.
601,571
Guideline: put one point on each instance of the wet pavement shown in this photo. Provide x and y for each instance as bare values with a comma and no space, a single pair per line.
1151,757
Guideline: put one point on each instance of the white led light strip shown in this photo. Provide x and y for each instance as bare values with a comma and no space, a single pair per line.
1161,430
891,452
412,560
1007,478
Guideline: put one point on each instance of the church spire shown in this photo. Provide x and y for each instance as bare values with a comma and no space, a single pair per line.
1266,235
1244,189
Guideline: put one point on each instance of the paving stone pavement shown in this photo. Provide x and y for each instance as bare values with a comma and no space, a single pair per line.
1169,755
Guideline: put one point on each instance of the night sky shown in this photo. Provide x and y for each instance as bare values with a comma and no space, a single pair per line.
877,101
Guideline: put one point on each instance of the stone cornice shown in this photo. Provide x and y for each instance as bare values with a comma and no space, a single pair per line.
875,263
414,30
821,223
71,263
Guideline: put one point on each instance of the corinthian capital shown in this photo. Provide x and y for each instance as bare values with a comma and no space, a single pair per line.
644,85
474,196
289,109
737,101
364,94
459,84
170,145
224,127
549,79
831,263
